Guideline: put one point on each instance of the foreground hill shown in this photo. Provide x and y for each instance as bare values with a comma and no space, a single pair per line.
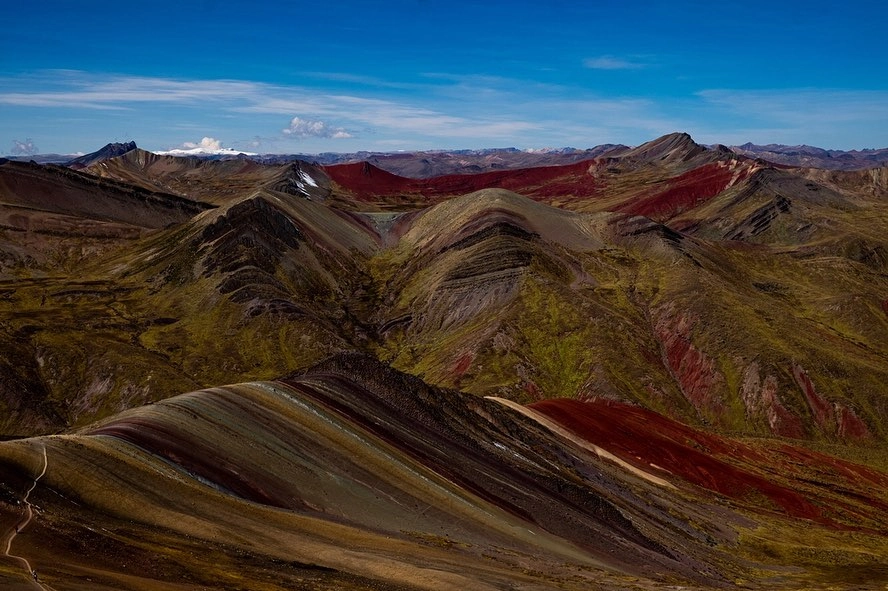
353,476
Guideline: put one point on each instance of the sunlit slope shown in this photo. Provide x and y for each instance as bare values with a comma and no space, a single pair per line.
710,287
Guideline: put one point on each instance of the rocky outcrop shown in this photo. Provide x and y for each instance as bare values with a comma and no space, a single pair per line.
694,371
108,151
834,419
761,400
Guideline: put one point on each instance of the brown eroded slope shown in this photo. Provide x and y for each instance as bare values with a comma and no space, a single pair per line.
214,181
722,314
58,190
52,217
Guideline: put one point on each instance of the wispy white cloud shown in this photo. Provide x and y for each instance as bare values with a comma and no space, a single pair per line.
501,110
86,91
803,105
611,62
361,80
23,148
804,115
378,115
440,111
302,128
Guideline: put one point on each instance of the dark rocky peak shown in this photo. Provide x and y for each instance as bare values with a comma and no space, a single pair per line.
109,151
254,217
301,179
813,157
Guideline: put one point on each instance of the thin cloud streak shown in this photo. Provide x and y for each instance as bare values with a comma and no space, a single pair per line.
504,116
254,97
797,116
116,92
610,62
500,112
802,106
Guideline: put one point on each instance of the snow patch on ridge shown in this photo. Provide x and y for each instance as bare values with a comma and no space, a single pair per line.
307,178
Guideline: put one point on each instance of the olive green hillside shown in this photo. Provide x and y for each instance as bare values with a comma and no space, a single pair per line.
254,288
712,288
527,301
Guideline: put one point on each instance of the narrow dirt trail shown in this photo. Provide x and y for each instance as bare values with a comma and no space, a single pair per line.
22,524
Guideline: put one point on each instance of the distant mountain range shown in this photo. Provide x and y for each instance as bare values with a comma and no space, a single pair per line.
812,157
430,163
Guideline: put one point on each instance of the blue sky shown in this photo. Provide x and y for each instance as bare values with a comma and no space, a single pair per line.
422,74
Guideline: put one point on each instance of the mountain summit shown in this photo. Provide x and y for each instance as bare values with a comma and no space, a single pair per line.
108,151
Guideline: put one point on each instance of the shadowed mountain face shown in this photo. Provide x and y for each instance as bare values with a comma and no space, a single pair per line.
627,370
109,151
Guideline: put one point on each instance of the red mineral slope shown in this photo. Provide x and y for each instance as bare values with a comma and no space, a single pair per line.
694,371
762,397
675,175
832,418
771,479
366,182
688,190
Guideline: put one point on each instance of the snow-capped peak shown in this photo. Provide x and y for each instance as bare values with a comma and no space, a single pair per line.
206,147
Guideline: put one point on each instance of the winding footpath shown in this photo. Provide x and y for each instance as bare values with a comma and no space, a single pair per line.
23,523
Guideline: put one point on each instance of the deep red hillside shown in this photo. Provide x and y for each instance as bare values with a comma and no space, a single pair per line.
783,475
688,190
366,182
